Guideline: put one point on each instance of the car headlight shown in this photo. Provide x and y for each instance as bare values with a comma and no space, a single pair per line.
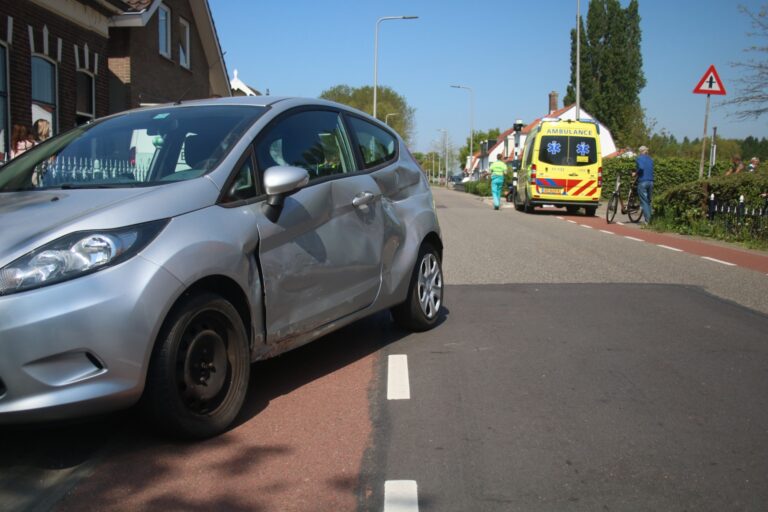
75,255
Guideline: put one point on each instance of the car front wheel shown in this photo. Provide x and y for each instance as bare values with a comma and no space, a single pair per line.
200,368
421,309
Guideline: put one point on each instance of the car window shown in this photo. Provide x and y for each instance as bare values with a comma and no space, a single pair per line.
244,185
313,140
567,150
142,147
376,145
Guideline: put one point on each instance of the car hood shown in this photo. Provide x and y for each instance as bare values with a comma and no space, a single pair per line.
30,219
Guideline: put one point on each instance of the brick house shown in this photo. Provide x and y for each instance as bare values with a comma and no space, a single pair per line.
70,61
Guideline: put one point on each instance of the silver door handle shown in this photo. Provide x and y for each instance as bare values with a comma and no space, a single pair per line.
362,199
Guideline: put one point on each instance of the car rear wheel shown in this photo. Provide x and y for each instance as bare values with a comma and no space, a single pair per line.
590,210
200,368
527,206
516,201
421,309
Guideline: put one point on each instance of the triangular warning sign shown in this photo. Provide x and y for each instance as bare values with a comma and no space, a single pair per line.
710,83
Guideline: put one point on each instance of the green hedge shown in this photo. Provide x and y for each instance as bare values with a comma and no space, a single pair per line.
667,172
483,186
683,208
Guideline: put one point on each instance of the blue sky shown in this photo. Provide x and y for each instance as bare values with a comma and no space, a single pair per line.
512,53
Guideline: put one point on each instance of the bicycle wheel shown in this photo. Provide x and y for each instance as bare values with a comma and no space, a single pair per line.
634,212
613,205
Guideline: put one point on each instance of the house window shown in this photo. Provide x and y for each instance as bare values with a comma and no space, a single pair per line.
3,102
85,97
184,44
164,30
44,91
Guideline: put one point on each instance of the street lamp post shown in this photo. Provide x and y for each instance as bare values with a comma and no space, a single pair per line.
376,53
386,118
471,120
444,137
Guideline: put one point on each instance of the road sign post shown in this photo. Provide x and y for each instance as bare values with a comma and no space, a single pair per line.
709,84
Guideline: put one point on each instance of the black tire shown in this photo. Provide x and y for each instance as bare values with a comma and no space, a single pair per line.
421,309
516,201
613,206
527,206
590,211
199,372
634,212
572,210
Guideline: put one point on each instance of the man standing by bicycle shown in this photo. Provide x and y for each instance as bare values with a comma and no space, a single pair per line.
644,173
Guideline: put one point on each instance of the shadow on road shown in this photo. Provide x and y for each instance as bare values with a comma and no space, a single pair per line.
117,456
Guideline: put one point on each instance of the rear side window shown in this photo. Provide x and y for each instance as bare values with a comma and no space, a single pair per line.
565,150
376,145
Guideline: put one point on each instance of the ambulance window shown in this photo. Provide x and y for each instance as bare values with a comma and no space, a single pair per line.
529,144
565,150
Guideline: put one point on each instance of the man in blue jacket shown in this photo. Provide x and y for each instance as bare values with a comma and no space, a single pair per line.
644,172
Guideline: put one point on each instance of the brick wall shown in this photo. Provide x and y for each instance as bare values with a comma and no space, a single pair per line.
157,79
26,14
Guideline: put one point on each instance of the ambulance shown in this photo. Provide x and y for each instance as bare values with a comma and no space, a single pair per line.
562,166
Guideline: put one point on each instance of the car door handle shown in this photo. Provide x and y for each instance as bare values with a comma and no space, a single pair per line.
362,199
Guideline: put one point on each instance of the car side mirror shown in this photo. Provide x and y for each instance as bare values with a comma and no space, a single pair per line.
281,181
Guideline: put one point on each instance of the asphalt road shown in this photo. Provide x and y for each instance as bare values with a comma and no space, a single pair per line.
573,369
552,397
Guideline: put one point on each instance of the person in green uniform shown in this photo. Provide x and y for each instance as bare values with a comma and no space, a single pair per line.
498,168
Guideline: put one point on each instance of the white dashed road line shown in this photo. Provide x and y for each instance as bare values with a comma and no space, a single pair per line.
398,385
401,496
719,261
675,249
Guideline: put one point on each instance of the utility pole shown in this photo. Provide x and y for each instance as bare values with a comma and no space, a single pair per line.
578,59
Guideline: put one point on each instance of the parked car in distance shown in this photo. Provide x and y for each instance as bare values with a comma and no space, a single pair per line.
155,254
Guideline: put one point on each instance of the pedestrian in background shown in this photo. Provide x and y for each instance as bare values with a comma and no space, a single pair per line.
21,140
644,173
42,130
736,165
753,163
498,169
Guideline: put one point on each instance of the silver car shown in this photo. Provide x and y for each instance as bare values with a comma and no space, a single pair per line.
156,253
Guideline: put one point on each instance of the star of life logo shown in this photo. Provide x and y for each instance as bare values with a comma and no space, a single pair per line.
554,147
582,149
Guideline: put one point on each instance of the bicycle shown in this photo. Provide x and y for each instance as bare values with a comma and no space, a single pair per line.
631,208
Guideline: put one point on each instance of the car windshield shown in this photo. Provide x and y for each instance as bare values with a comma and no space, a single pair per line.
140,148
566,150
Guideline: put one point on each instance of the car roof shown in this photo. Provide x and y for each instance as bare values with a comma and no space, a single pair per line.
284,103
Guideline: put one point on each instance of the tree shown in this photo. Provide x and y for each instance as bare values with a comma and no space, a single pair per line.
388,102
611,74
493,133
752,96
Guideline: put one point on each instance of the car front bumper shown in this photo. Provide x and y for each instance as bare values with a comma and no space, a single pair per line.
81,347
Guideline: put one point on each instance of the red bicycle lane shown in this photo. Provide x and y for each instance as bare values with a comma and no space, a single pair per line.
728,255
